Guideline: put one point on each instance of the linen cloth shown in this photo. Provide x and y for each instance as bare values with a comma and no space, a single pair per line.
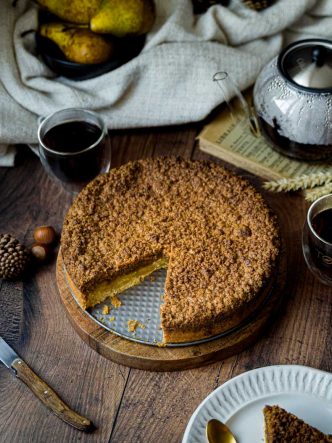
170,82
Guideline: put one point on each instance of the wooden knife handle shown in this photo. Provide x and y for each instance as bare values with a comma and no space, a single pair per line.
50,398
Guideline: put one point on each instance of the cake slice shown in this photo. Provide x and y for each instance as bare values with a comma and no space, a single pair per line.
283,427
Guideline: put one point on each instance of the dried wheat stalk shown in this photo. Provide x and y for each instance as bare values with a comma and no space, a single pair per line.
300,182
313,194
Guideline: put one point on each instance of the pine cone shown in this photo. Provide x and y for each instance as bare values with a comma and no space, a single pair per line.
14,257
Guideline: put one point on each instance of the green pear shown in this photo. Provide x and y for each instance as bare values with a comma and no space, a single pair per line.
124,17
74,11
79,45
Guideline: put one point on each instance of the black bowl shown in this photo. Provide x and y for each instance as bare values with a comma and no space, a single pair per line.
125,49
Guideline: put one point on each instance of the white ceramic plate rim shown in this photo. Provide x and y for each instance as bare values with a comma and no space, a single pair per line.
284,379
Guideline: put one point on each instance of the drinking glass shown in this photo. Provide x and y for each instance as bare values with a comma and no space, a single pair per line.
317,239
74,147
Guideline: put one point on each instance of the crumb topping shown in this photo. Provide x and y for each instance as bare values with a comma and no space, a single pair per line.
134,324
105,310
116,302
214,228
283,427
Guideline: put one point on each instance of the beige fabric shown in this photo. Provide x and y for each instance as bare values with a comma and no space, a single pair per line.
169,82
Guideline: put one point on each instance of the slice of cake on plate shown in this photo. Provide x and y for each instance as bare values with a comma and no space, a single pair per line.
283,427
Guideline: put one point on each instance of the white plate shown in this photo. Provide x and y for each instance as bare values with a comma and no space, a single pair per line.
239,402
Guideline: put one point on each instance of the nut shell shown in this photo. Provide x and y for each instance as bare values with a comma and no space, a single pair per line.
44,235
41,252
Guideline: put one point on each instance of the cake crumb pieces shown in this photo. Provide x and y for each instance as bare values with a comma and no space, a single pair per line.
105,310
116,302
134,324
111,318
161,344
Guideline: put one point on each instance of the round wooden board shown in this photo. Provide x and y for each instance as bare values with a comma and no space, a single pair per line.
136,355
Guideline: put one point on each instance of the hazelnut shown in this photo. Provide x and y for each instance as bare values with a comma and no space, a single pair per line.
41,252
44,235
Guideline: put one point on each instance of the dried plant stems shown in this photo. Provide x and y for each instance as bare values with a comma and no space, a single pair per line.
300,182
316,185
312,194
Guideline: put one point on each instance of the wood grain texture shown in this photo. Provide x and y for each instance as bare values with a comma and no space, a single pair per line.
131,405
153,358
11,311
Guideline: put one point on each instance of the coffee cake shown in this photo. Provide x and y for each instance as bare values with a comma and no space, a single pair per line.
283,427
210,228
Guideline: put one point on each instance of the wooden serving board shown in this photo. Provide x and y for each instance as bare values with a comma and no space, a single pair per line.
137,355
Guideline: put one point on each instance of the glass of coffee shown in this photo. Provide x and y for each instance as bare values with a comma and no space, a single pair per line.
317,239
74,147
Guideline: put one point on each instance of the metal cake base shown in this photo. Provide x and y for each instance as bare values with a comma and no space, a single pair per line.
142,303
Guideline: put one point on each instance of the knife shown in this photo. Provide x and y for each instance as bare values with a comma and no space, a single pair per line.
42,391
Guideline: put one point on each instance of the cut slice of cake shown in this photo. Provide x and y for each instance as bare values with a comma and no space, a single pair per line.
283,427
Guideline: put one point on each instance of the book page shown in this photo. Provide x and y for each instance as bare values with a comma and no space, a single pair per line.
229,138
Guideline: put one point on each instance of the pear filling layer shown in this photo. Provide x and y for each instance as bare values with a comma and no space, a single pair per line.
111,288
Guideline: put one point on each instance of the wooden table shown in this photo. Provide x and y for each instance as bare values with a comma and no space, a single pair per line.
129,405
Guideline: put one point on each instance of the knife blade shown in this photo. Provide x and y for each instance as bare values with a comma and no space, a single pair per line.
42,391
7,354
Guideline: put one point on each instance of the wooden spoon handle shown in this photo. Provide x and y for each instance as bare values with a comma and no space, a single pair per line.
50,398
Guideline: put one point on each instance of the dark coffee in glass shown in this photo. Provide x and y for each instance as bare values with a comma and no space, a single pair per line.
74,147
317,239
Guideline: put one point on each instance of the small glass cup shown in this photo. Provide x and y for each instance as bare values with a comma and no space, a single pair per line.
317,250
74,147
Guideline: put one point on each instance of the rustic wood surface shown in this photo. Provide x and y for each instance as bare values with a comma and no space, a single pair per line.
131,405
140,356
